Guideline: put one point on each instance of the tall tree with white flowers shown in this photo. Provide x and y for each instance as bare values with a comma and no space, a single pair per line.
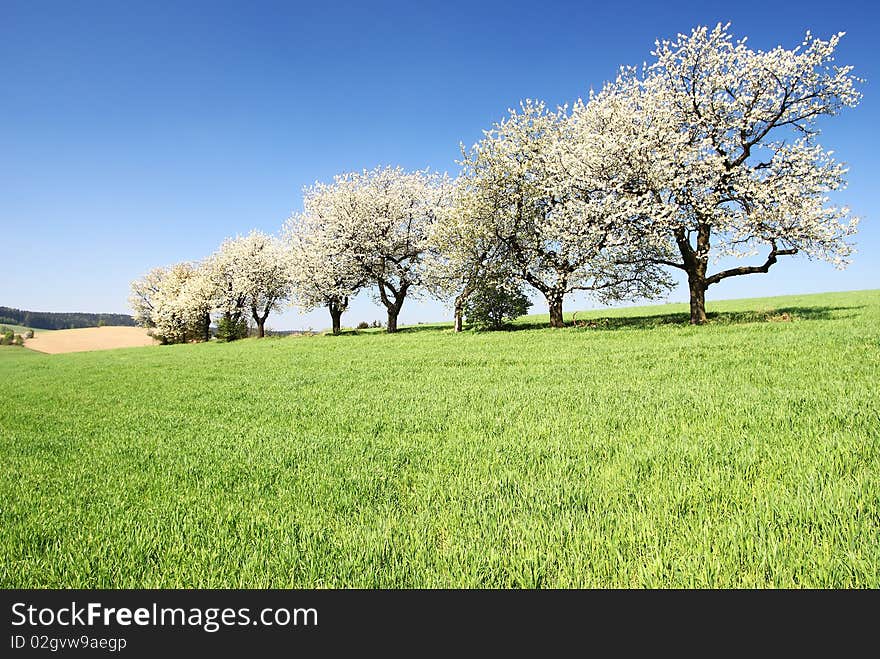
382,217
251,275
325,271
719,143
560,232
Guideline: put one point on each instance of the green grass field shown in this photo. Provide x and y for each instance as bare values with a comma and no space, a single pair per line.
633,451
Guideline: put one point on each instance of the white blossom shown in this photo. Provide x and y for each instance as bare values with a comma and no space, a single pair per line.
174,302
324,270
558,225
381,217
714,145
250,275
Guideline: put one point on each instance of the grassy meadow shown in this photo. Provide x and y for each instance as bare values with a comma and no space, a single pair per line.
630,451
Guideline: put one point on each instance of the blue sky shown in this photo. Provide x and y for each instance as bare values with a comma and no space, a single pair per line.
140,134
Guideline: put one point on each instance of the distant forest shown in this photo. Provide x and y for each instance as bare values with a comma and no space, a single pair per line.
55,321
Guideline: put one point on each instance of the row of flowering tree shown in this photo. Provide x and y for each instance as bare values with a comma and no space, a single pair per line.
707,153
244,280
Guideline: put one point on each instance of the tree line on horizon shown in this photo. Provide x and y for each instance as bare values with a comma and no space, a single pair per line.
51,320
708,152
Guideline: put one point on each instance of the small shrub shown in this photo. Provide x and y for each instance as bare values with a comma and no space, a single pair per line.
363,325
491,305
230,330
376,323
18,340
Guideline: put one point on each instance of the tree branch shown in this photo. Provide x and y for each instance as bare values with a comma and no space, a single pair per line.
752,269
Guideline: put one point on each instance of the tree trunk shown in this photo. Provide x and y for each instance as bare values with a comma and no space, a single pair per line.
393,312
694,263
207,322
260,320
336,316
469,289
555,304
459,313
698,300
393,305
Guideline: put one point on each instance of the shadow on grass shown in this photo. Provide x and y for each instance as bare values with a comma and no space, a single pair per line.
408,329
416,329
780,315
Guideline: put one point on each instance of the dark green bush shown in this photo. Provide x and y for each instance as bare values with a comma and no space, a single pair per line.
229,329
490,306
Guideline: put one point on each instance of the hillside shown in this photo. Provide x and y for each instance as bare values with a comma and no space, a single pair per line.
55,321
634,451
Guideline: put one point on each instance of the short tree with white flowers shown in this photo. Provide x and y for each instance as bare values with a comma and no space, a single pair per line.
560,233
174,302
325,272
463,250
717,147
250,275
145,295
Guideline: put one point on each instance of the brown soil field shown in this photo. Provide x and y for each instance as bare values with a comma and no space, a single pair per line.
89,338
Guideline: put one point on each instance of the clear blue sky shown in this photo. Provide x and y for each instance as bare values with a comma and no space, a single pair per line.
140,134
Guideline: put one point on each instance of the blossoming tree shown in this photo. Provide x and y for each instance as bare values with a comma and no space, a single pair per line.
560,232
174,302
721,153
381,217
463,251
144,296
250,274
324,268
